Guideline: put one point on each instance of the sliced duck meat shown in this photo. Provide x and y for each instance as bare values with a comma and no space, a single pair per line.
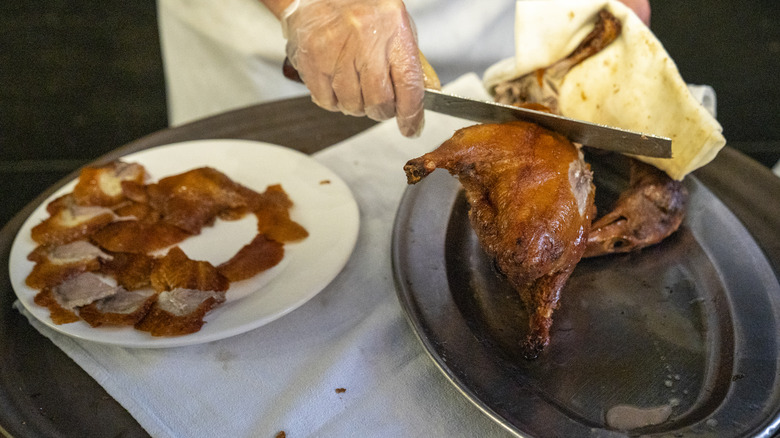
55,264
102,186
123,308
179,311
73,222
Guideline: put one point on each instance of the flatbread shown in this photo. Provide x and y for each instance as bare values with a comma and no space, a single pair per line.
632,84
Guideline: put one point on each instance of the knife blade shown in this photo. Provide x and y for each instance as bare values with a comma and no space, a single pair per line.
589,134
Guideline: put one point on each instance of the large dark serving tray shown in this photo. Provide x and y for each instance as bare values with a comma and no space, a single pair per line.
692,324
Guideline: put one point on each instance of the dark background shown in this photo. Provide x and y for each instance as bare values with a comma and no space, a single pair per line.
78,79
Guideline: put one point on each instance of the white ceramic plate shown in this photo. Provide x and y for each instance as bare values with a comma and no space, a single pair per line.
324,205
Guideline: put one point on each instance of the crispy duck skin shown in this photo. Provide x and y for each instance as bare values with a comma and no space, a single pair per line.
531,205
649,211
193,199
176,270
102,186
71,222
253,258
132,271
272,209
138,237
58,314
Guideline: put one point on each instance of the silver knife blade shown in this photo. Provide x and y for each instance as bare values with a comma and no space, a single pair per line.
589,134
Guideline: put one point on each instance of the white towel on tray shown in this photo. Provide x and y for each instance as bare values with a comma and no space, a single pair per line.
353,335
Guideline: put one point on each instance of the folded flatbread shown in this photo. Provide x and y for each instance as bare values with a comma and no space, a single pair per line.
632,84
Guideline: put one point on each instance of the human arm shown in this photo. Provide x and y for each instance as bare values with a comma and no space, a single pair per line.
641,8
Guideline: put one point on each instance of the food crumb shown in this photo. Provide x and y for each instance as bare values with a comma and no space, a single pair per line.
341,390
324,182
281,434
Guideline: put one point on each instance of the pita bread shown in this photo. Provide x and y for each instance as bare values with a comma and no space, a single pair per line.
632,84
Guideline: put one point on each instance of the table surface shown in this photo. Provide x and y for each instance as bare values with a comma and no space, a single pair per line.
43,393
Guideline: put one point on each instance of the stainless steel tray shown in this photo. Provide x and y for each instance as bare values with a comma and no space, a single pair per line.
689,326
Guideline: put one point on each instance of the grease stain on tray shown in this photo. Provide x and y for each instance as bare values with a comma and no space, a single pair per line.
627,417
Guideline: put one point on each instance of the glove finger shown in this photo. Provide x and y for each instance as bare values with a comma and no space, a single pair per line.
411,123
407,77
319,85
378,94
322,92
316,79
346,88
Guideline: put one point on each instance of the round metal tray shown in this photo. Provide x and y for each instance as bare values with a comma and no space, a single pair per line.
689,326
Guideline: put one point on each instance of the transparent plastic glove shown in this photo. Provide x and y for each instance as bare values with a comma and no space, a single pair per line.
359,57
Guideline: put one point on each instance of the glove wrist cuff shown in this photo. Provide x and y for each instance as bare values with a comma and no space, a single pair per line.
289,10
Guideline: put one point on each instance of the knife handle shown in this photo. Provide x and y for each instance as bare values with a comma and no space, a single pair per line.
290,72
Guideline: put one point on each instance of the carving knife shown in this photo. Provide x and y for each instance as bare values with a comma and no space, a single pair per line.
586,133
589,134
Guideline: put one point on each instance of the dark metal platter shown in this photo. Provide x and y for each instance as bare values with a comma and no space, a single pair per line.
690,326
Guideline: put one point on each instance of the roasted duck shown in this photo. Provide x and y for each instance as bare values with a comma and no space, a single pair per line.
647,212
531,206
531,195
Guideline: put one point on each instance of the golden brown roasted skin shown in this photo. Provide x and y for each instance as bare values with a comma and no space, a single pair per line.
647,212
531,205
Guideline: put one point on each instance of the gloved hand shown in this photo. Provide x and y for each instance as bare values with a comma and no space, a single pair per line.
359,57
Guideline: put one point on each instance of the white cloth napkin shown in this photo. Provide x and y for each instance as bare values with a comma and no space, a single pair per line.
353,335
